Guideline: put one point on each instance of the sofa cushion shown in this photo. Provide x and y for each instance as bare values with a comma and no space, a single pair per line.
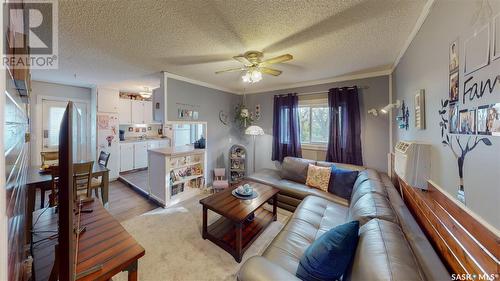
383,254
368,174
290,188
318,177
295,169
342,181
313,218
328,257
370,206
365,187
341,165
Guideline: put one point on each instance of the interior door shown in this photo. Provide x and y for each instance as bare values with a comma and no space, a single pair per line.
52,113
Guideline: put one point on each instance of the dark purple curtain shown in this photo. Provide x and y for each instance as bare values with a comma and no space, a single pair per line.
286,134
344,141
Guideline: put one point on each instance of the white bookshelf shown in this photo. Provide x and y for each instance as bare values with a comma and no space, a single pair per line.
176,174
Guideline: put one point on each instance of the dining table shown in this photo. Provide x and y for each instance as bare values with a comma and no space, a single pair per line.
37,179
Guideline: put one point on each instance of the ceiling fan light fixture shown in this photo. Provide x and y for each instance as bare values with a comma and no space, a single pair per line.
252,76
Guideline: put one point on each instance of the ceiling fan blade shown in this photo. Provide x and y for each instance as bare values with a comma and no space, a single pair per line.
270,71
230,70
278,59
243,60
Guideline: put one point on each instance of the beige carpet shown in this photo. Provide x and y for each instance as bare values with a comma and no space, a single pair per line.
176,251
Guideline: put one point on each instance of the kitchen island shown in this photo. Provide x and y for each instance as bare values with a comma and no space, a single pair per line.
176,174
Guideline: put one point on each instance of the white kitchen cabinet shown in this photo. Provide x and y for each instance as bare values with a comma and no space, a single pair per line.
125,111
141,112
107,100
137,112
126,157
140,155
148,112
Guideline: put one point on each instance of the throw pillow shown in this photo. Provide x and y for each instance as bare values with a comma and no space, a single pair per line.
318,177
342,182
328,257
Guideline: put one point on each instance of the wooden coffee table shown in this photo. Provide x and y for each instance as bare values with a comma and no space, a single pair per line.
233,232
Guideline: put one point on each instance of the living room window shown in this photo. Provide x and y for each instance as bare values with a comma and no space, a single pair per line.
314,120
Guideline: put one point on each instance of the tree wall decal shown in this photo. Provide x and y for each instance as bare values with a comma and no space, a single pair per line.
463,149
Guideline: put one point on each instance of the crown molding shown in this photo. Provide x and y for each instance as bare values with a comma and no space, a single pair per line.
197,82
420,21
342,78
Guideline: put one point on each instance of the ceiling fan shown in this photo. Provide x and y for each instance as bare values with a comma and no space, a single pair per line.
254,66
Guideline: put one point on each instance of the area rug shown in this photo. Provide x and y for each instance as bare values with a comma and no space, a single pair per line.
176,251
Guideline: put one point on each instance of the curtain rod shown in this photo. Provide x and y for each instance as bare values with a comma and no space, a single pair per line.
326,92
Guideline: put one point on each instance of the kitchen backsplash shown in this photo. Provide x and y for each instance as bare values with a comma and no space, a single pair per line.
135,131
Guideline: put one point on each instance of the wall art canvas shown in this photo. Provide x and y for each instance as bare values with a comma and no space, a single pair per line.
454,86
477,50
454,56
468,122
454,119
496,37
493,120
482,120
420,110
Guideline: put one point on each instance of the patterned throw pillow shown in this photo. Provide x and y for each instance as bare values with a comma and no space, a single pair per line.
318,177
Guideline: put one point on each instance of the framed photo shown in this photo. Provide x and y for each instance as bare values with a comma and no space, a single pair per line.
481,120
453,119
454,56
468,121
477,50
493,120
454,86
496,37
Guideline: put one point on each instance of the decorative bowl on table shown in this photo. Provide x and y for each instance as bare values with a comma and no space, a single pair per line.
244,190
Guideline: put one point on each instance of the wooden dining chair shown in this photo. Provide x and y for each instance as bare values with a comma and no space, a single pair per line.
97,181
82,180
54,186
49,158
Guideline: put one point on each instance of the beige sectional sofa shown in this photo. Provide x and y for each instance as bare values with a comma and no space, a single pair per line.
391,245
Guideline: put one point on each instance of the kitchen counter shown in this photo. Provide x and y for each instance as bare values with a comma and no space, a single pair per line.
130,140
177,151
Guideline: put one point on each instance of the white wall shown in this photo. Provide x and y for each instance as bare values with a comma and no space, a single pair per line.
56,91
425,66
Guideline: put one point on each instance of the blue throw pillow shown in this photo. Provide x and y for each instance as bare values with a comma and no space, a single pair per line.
328,257
342,182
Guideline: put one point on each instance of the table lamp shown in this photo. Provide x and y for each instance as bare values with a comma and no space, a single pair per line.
254,131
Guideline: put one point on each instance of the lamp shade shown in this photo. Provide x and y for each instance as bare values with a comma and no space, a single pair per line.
254,131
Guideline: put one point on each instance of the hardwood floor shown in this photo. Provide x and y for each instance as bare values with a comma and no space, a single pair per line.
124,202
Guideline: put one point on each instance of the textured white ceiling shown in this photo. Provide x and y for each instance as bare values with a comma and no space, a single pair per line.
124,44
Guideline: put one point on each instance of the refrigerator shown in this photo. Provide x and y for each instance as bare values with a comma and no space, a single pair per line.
109,141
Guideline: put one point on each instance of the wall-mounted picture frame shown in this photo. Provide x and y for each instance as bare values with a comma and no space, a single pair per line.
453,59
482,120
468,121
454,124
453,87
493,119
496,38
420,110
477,50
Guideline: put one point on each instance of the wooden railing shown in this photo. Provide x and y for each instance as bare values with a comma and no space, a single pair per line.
464,244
